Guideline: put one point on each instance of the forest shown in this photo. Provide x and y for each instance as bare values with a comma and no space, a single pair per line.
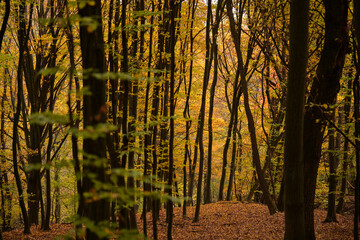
119,118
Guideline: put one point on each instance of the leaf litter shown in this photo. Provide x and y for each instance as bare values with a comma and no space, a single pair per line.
221,220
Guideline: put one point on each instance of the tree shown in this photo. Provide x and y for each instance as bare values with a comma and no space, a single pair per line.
323,91
201,118
95,164
356,90
173,12
293,173
334,146
3,174
345,162
23,36
235,29
214,49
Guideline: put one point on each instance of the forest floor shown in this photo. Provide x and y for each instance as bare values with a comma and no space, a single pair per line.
221,220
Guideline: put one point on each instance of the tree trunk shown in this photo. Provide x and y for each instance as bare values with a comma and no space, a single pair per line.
215,30
251,125
74,124
356,90
57,211
173,13
294,120
5,195
345,162
186,112
93,56
323,92
333,163
233,160
147,140
201,118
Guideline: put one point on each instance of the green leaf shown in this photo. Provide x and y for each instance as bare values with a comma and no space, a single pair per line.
43,118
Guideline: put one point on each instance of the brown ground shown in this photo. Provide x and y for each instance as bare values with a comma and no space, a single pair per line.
222,220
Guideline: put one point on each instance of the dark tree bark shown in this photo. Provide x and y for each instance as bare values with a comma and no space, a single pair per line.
323,91
147,140
93,59
345,161
124,220
3,174
133,102
192,164
57,210
233,159
356,89
4,22
38,88
154,117
201,118
294,120
173,13
186,112
6,195
214,49
23,36
52,63
333,157
113,139
74,123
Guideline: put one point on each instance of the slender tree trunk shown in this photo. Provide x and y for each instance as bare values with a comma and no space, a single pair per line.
345,162
74,123
6,195
251,125
234,108
333,163
186,113
57,211
22,38
215,30
133,102
52,64
173,13
155,117
356,90
233,160
201,118
147,141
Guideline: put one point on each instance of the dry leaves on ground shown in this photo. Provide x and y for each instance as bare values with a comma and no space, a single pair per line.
236,220
38,234
221,220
